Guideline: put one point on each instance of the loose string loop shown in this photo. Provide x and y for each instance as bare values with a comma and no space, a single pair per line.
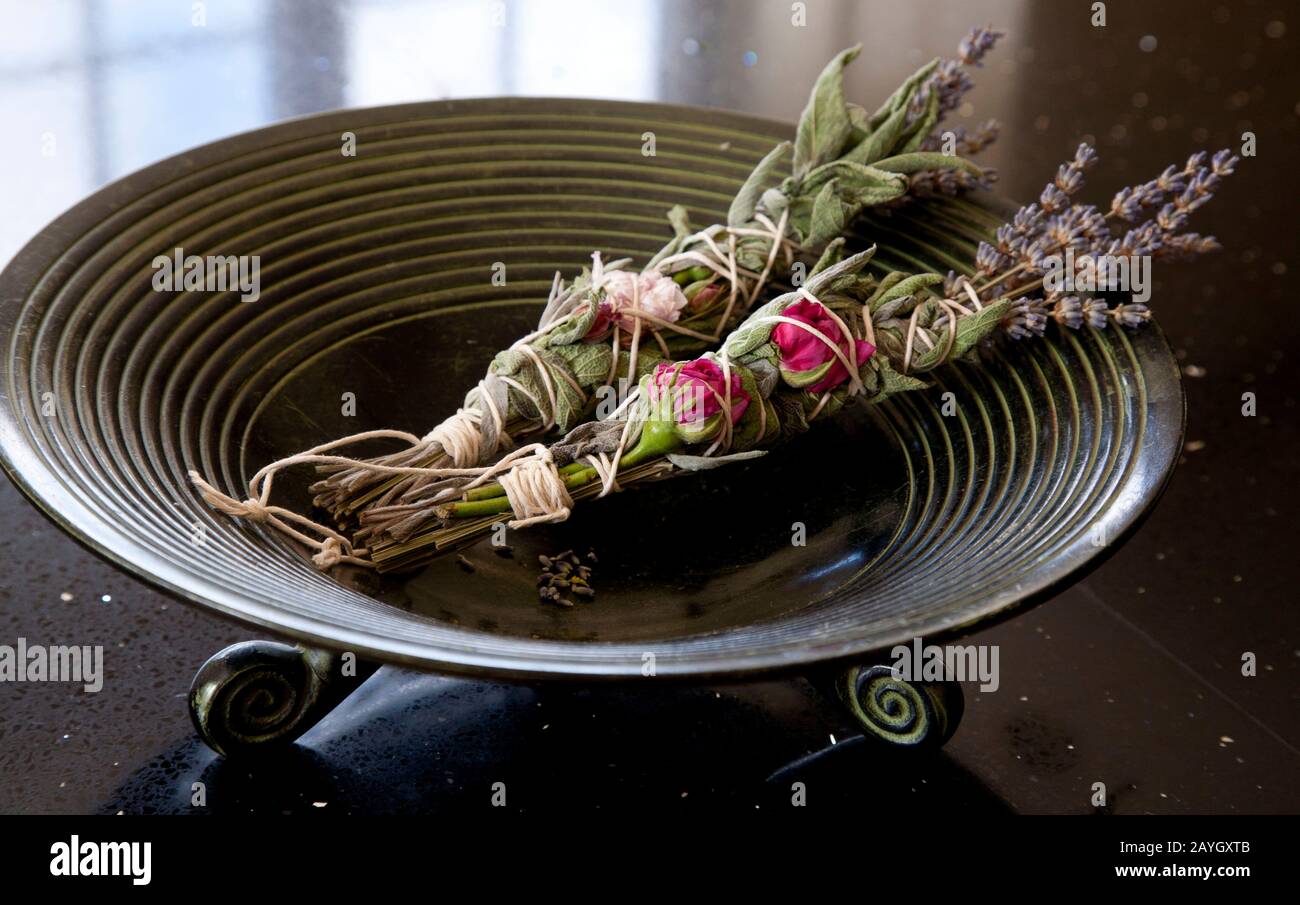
331,548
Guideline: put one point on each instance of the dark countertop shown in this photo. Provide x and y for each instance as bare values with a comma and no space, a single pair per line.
1132,677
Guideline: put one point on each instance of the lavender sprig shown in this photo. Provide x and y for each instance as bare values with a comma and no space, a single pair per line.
945,88
950,80
1014,264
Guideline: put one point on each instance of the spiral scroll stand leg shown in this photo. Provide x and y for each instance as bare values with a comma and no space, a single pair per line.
898,713
259,696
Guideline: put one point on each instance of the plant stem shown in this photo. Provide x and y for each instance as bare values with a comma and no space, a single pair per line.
658,438
490,491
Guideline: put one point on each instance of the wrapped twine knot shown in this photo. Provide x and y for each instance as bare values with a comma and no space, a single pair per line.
330,554
535,491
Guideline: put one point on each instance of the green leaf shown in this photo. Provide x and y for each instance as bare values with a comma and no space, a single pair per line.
589,363
800,221
921,127
751,334
892,381
880,142
768,171
775,202
680,219
850,266
902,97
824,126
790,411
681,223
747,432
859,122
801,379
917,161
764,369
890,280
705,463
856,186
902,288
970,330
570,405
829,216
870,186
752,252
979,326
570,328
831,255
512,364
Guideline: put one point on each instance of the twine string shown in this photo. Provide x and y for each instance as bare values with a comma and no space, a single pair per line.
952,311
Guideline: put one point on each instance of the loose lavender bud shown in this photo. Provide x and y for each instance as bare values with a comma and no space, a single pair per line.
922,184
1085,157
1172,217
1035,251
1132,202
1027,220
1169,182
1085,226
1141,241
1200,190
965,143
984,135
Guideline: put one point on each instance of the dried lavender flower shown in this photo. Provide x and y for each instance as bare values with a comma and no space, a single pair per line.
950,80
1094,313
1131,314
1055,223
974,46
1026,318
989,260
1053,199
1068,312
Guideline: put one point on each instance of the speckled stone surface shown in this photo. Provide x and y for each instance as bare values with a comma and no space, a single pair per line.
1132,678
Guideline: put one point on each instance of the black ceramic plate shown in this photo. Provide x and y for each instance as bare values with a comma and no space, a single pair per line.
376,281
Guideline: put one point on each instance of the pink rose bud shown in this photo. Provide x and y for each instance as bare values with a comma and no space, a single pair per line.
808,362
602,325
650,292
697,391
705,296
